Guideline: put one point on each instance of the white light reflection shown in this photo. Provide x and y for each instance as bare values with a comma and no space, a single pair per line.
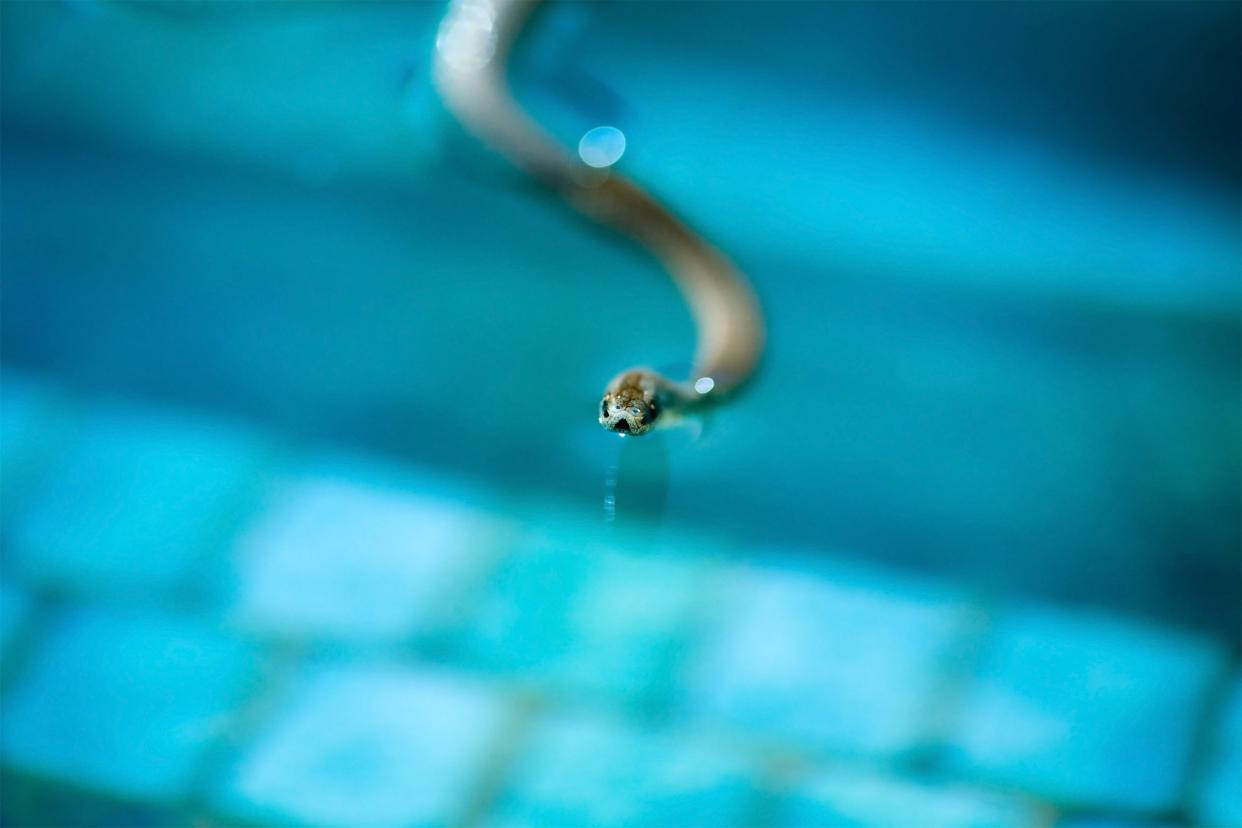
602,146
610,495
467,37
704,384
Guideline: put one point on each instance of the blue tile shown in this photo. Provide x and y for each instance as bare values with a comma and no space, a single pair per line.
27,428
564,610
838,658
1220,792
23,400
1119,822
851,798
32,802
578,770
124,702
138,497
383,472
371,745
13,607
358,558
1084,709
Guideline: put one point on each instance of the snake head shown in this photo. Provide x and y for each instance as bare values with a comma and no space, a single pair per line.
628,410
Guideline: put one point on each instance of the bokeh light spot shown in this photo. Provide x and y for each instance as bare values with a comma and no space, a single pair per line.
602,146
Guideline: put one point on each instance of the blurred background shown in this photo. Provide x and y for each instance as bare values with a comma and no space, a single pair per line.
306,518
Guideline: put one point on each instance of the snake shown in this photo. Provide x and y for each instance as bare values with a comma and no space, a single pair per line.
474,42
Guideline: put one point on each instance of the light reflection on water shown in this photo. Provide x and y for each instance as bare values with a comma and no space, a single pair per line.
466,39
601,146
636,484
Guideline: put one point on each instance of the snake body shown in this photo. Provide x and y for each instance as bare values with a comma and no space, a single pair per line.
472,50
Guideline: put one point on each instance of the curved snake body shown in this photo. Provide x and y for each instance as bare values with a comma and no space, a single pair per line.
472,50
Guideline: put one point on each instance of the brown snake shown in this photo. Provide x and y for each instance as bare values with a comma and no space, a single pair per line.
472,49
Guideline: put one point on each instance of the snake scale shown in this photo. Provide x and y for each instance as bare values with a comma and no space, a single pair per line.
473,45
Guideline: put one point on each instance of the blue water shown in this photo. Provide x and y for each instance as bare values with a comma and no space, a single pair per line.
270,318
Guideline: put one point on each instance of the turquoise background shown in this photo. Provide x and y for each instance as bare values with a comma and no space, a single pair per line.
299,391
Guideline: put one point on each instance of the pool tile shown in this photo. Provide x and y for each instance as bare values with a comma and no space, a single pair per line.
852,798
367,744
582,770
38,803
357,558
564,610
841,658
138,496
22,399
1120,822
1219,802
26,406
1084,709
14,605
124,702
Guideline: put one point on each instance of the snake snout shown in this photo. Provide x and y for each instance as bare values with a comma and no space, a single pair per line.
627,414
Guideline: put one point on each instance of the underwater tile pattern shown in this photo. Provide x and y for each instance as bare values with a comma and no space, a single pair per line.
847,797
20,401
368,744
135,498
392,648
1085,709
125,701
27,430
795,649
562,613
591,770
13,608
354,559
1220,798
